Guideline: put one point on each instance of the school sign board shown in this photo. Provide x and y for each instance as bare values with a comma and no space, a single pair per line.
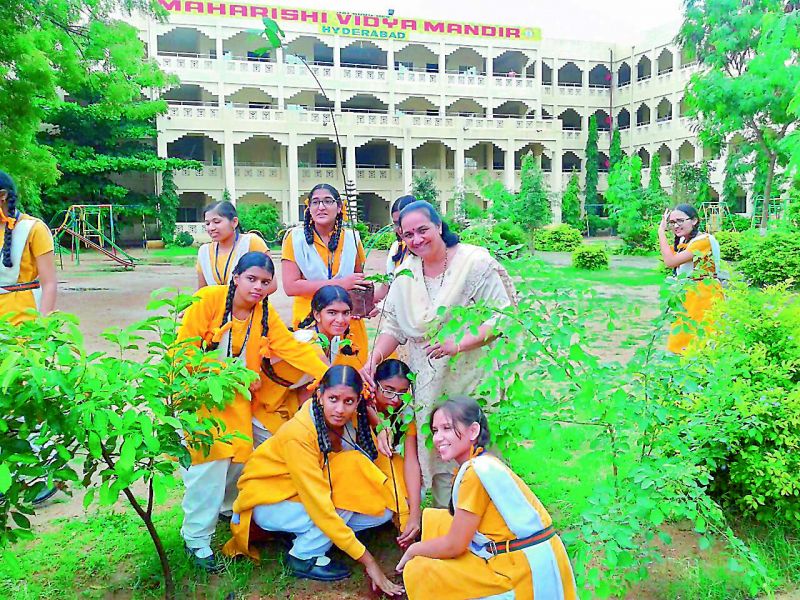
355,24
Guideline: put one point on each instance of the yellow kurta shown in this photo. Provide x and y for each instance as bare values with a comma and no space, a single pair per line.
701,293
40,242
290,466
302,304
205,315
256,245
469,576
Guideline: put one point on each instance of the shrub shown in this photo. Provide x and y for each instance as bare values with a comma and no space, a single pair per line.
730,245
771,259
590,257
558,238
380,241
597,223
184,239
484,235
263,218
734,222
510,232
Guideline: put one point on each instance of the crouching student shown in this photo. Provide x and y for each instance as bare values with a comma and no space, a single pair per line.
235,321
392,382
497,538
316,479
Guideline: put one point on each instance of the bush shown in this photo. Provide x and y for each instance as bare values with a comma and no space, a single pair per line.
486,236
597,223
558,238
184,239
380,241
730,245
263,218
734,222
590,257
510,232
771,259
743,404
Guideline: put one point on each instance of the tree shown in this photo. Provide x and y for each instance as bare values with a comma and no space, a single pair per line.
654,185
124,420
730,184
423,187
749,71
533,201
167,207
590,185
637,212
571,203
691,183
67,45
615,151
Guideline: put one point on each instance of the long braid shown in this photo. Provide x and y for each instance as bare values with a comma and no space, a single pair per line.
347,350
308,227
12,212
333,243
307,322
323,439
364,433
225,316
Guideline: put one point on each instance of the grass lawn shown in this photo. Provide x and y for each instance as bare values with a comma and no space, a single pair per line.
107,554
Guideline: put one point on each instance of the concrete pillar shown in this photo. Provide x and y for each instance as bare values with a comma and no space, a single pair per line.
228,165
294,179
442,105
508,168
337,55
459,172
442,159
281,90
557,182
490,62
489,157
390,61
152,39
392,156
350,159
408,165
442,59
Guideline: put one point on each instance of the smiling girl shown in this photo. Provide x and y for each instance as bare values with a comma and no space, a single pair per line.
234,321
696,256
316,479
496,539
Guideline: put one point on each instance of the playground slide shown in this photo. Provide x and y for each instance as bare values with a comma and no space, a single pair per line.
125,262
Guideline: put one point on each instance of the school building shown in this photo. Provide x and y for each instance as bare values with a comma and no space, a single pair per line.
409,95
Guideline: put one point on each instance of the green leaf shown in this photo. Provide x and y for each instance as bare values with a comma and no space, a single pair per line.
5,478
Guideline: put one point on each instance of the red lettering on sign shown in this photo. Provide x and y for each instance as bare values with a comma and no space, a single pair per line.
212,8
432,27
344,19
309,16
489,31
289,14
174,5
259,11
472,30
193,7
408,24
237,10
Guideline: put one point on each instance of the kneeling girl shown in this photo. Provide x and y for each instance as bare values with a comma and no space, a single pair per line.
497,538
316,479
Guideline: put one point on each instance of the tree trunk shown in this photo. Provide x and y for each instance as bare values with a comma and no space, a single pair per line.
169,583
768,192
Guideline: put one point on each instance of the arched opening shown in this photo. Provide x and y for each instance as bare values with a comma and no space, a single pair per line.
244,46
189,93
190,209
373,210
603,162
600,77
644,69
664,110
664,62
466,107
665,155
624,75
433,156
252,98
623,119
603,120
510,63
644,156
547,113
259,150
484,156
570,162
687,59
547,74
319,152
255,198
642,115
570,75
417,105
416,57
196,146
308,100
364,55
534,148
375,154
511,109
310,49
364,103
547,164
185,41
683,107
465,61
570,120
686,152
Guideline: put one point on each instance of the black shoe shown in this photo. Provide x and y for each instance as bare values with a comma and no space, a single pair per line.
308,569
225,517
209,564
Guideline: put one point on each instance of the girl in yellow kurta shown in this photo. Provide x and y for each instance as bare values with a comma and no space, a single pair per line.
696,256
216,260
399,442
236,321
27,268
315,478
497,538
322,250
398,250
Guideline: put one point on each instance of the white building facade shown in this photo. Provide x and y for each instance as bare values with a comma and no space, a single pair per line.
408,95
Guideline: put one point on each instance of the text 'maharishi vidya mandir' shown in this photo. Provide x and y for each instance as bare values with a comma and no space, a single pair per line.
410,95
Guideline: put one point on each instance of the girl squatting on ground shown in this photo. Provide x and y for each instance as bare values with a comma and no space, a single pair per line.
235,321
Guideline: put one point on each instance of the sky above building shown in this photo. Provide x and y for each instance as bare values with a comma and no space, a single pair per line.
620,21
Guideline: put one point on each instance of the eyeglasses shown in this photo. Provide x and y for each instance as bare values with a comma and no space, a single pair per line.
327,202
390,394
677,222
